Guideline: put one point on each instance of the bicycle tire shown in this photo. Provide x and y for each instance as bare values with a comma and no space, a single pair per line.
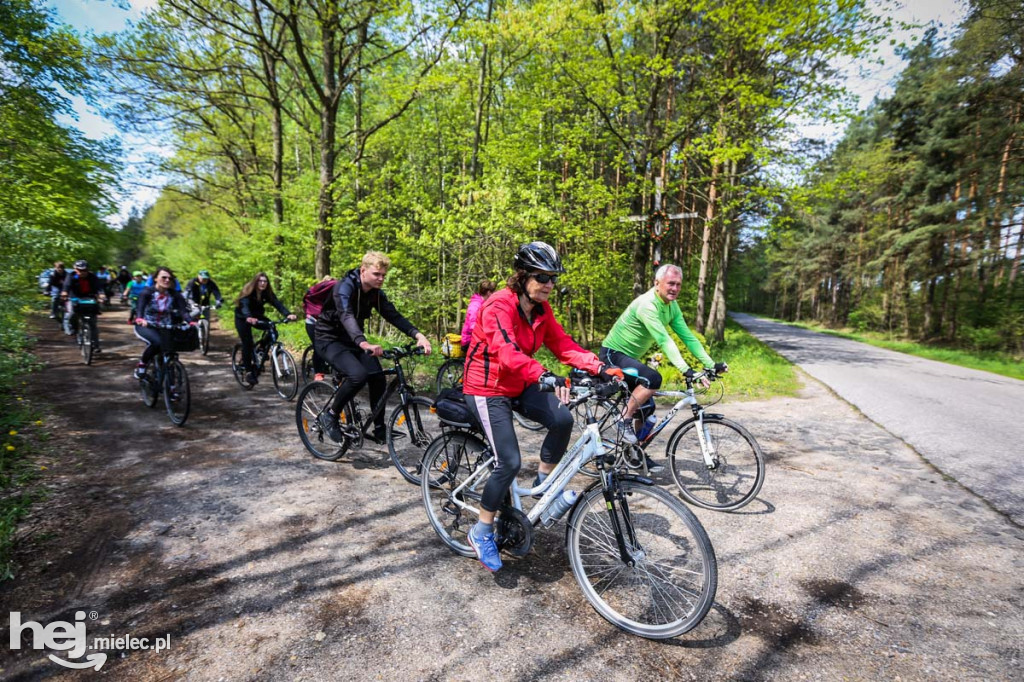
672,585
411,428
238,369
447,462
204,336
312,400
286,379
148,388
177,393
449,374
737,473
86,343
307,365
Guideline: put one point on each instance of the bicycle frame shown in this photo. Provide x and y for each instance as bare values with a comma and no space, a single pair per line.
587,447
396,385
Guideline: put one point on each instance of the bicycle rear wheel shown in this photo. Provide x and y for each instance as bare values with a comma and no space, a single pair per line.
307,365
449,374
447,463
177,394
286,377
411,428
204,336
736,471
237,368
314,400
671,585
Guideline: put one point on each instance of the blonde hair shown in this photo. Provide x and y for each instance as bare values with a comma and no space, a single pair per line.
375,259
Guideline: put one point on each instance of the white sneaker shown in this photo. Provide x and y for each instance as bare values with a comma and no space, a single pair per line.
626,432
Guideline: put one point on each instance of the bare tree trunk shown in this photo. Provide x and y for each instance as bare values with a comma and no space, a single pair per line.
716,318
705,252
474,167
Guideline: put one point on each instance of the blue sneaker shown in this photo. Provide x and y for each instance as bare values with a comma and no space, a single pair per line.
485,548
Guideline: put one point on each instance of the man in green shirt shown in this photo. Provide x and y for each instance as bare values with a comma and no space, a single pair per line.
646,322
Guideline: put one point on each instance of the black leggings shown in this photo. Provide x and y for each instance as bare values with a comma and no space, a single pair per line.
244,330
495,416
359,368
153,338
619,359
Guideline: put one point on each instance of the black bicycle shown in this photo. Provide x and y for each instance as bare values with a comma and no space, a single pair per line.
412,424
282,365
165,375
83,321
203,325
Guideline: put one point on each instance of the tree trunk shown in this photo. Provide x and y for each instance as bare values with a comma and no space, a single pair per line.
705,251
478,116
716,318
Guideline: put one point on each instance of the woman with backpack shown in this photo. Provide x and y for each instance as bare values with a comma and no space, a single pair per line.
312,303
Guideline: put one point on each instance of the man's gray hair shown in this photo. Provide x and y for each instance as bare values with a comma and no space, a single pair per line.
664,270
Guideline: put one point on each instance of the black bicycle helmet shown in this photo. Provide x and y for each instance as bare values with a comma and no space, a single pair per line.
81,264
538,256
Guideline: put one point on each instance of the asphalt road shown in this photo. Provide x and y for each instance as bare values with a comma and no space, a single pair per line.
969,424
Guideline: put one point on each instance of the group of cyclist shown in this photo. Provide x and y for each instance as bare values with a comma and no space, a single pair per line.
502,332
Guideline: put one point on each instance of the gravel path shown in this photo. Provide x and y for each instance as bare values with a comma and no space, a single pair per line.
858,561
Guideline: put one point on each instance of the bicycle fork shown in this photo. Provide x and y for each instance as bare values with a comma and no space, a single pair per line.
625,535
707,448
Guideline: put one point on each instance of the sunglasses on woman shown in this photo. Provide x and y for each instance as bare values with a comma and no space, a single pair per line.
544,278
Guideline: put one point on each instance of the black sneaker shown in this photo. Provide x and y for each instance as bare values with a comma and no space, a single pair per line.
250,378
329,424
536,482
380,437
653,468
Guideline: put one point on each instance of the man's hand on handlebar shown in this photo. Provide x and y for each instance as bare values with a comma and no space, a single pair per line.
373,349
424,343
291,318
252,320
691,376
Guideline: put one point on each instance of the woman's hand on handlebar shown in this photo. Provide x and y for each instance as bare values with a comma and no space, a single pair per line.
291,318
553,383
252,320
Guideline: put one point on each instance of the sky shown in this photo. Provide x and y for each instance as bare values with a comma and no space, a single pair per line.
866,81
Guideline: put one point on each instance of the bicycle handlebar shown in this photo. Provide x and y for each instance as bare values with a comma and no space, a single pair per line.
399,352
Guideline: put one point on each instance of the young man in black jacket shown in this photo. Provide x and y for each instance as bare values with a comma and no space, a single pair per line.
341,342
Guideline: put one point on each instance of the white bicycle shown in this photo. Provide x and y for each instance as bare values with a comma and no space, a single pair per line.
640,556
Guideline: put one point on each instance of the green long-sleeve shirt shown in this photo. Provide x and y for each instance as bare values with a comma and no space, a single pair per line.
644,323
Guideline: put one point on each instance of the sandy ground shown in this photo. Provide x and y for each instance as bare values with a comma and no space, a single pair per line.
858,561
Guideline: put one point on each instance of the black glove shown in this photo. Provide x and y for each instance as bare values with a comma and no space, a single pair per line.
721,367
548,381
689,374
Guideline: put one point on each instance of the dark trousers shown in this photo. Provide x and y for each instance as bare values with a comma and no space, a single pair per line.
319,365
618,359
495,416
359,369
153,339
244,330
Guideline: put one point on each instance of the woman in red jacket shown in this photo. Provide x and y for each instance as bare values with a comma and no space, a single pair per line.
501,375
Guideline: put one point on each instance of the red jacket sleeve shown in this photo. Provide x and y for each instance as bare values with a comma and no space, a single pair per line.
499,325
565,349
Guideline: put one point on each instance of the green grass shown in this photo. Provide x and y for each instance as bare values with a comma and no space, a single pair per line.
1003,364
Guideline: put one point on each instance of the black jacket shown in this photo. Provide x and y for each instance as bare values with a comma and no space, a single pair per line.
57,279
251,306
348,307
195,292
82,287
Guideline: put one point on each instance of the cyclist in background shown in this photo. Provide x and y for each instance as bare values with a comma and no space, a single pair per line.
123,277
342,343
485,289
159,306
131,293
82,284
312,304
55,284
201,288
501,375
250,311
642,324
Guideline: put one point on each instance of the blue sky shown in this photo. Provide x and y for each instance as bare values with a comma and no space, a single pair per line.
864,80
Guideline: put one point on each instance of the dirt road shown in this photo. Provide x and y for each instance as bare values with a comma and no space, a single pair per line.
858,561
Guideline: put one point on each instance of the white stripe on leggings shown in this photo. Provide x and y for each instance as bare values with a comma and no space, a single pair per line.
485,421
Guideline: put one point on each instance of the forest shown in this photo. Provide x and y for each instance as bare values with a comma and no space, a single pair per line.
290,136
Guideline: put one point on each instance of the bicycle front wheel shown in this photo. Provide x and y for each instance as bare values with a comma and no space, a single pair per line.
148,388
237,368
729,477
448,461
313,401
177,394
286,377
85,340
449,374
411,428
204,336
671,584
